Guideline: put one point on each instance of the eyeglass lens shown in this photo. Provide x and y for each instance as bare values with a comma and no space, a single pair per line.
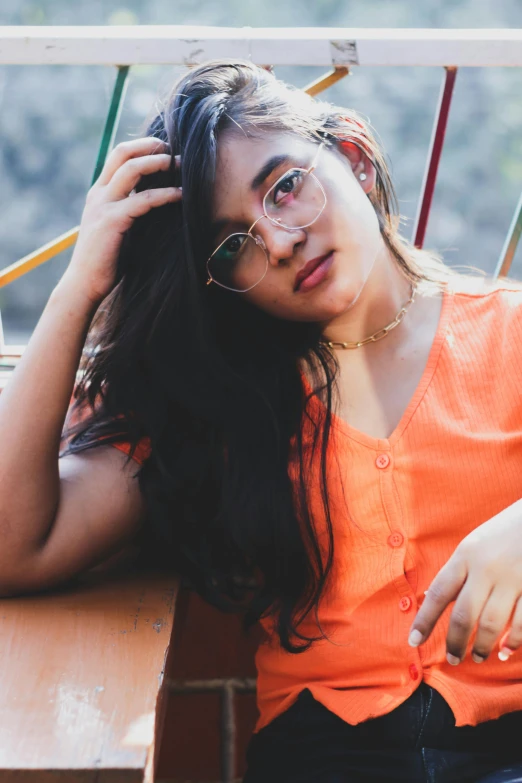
295,201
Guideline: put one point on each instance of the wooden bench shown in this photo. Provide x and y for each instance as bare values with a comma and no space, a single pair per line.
82,679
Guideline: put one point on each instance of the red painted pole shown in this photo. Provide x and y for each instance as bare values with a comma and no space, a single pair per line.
434,155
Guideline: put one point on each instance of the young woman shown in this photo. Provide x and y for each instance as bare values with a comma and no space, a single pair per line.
328,423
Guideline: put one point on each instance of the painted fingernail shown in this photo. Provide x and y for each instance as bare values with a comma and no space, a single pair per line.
505,653
452,659
478,658
415,638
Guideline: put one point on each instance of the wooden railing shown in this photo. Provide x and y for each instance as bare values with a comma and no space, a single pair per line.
82,680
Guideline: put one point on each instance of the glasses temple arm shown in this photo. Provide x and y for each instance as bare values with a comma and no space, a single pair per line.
314,162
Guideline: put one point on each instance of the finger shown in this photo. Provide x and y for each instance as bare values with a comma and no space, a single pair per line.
444,589
177,161
128,175
464,617
149,145
493,619
512,639
140,203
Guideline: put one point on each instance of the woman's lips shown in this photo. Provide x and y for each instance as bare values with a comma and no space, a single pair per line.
317,274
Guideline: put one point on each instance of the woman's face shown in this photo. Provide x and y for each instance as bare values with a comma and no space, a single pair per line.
347,228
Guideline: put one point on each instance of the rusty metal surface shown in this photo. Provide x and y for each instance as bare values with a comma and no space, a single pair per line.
238,684
228,687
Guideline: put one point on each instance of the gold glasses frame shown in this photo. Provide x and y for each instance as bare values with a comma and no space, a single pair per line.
277,222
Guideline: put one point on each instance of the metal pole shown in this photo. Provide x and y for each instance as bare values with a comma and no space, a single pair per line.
112,120
510,244
434,155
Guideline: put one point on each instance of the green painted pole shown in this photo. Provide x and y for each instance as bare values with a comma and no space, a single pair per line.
112,120
510,245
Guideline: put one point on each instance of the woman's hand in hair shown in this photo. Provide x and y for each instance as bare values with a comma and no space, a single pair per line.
484,578
110,209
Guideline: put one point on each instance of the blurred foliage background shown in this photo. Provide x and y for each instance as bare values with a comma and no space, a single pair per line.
52,118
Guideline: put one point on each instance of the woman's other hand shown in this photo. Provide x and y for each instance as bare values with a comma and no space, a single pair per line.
110,209
484,578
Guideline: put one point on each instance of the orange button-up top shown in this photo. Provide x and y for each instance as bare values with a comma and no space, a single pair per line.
453,462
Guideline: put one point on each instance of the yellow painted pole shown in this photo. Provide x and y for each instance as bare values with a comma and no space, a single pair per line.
51,249
37,257
321,84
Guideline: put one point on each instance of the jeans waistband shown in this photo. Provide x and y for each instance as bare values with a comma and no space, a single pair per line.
425,719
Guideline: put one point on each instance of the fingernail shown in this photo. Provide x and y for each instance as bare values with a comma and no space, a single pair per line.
505,653
452,659
415,638
478,658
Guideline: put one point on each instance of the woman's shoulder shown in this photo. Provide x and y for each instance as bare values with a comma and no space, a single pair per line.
82,413
481,286
479,295
486,318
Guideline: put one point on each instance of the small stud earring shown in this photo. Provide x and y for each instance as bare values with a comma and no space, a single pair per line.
362,176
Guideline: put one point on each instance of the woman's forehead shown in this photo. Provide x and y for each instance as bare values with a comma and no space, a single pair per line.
243,160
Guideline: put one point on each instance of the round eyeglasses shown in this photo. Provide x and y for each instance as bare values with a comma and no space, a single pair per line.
295,201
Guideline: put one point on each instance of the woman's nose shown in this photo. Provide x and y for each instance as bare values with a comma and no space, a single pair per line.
278,242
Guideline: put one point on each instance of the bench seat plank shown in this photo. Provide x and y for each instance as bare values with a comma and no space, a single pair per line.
81,674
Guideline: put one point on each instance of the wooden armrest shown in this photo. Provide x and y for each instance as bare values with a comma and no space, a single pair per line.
81,679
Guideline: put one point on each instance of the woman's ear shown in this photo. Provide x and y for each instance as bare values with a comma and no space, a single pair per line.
362,167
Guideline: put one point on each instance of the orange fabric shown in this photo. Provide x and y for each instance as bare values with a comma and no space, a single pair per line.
143,448
452,463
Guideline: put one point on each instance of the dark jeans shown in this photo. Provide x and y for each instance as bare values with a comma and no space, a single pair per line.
417,742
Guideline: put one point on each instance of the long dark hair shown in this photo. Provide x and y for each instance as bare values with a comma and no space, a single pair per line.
215,383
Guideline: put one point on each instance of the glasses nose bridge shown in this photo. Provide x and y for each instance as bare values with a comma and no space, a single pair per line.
275,252
258,239
272,222
256,222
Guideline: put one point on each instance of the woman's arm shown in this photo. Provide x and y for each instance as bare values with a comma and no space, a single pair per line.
33,407
59,516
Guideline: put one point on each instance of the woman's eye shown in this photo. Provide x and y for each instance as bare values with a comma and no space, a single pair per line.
233,246
288,184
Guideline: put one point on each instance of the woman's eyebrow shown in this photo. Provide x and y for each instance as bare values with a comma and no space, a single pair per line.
267,169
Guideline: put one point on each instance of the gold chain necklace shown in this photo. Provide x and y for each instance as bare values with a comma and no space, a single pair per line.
377,335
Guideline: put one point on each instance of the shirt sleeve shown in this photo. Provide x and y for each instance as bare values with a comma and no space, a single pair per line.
143,447
141,453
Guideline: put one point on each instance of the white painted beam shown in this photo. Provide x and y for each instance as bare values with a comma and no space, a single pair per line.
318,46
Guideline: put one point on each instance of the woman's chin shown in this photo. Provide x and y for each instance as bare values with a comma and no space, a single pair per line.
333,302
329,300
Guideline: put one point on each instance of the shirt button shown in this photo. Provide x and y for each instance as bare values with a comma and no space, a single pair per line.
382,461
414,672
405,603
395,539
